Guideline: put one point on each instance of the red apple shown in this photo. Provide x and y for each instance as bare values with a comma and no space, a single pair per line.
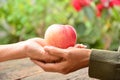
62,36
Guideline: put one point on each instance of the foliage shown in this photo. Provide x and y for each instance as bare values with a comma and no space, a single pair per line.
24,19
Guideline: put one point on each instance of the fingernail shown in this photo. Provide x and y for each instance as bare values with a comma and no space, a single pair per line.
83,45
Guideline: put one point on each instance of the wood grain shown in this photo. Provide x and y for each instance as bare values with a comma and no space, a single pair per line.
24,69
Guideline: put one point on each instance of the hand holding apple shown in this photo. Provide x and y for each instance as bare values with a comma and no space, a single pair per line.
72,59
62,36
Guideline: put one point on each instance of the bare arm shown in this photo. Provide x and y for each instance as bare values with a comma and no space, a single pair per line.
12,51
32,48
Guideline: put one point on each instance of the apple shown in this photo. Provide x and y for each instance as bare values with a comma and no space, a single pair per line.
62,36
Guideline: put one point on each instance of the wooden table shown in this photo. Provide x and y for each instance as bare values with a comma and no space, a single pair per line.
24,69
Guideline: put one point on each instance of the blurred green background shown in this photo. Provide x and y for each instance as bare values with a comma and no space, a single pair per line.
24,19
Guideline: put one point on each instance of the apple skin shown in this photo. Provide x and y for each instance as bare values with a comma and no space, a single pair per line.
61,36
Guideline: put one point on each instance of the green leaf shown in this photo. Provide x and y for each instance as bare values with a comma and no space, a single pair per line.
89,13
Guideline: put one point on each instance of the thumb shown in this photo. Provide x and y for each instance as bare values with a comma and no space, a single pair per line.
80,46
55,51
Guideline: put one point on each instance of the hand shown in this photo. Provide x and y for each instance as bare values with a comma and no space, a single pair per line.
72,59
34,50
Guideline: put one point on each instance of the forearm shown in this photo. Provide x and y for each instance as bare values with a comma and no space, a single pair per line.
12,51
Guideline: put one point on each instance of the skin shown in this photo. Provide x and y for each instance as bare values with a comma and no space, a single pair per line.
11,51
32,48
63,60
73,58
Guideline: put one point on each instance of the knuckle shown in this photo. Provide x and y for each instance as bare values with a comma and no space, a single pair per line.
66,53
69,54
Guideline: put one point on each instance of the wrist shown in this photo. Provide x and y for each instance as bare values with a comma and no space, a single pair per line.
21,48
87,53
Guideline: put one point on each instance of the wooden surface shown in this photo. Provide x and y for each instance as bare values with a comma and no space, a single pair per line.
24,69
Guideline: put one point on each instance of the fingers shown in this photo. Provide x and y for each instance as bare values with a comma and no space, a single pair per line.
50,67
50,58
40,41
56,51
80,46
